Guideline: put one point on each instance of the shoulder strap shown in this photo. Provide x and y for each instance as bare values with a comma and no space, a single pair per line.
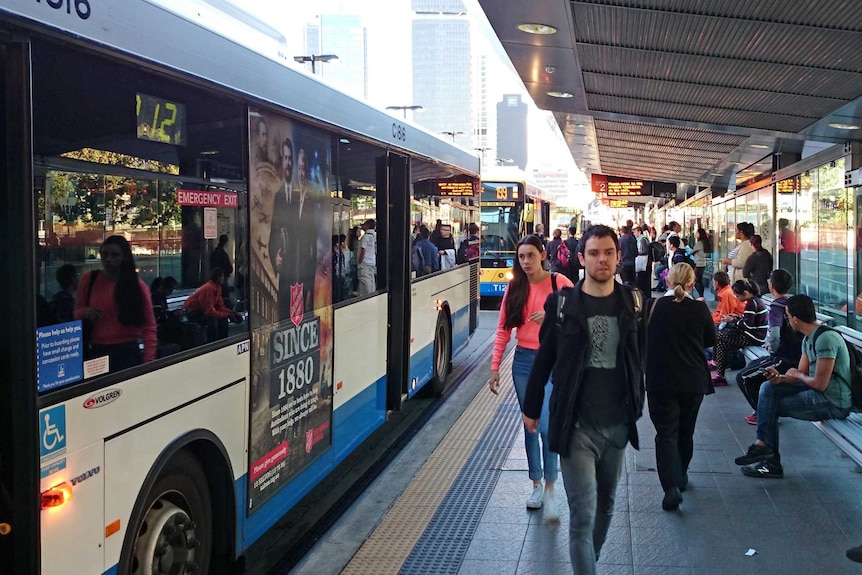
554,281
93,275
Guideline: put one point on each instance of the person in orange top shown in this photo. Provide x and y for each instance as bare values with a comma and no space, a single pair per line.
117,304
206,307
729,307
523,308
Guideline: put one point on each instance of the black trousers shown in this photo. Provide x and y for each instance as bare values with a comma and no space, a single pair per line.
751,377
674,415
627,273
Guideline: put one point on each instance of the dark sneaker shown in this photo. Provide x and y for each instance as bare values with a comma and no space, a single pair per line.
755,454
855,554
767,469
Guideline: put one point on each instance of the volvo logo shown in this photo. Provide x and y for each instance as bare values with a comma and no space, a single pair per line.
102,398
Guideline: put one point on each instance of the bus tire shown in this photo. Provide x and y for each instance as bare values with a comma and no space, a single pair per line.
442,362
174,532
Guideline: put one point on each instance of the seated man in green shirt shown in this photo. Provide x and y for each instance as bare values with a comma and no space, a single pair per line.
819,389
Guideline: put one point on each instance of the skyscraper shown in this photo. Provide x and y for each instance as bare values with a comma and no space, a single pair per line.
441,68
512,130
344,36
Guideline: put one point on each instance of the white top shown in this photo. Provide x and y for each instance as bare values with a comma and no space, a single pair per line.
369,244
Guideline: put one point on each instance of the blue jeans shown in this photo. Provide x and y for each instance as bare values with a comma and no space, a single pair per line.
795,400
521,366
591,473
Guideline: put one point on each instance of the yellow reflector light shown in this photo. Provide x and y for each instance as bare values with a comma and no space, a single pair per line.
56,496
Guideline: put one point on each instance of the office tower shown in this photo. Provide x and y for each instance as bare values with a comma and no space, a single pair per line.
512,130
441,68
344,36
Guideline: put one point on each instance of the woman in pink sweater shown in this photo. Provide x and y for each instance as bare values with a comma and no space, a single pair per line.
117,303
523,308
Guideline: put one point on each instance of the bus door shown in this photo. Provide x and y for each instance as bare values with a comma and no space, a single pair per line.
19,462
396,261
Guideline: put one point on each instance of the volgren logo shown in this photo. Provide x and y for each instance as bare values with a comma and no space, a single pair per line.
102,398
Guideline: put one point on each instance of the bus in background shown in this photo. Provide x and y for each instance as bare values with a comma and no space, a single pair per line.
201,153
511,208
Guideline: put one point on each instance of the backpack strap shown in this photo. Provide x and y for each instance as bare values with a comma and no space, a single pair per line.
554,281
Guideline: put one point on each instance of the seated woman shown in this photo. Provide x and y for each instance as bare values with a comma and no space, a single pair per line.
206,307
117,304
740,331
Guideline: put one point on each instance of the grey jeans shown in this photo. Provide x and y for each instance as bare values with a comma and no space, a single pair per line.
591,472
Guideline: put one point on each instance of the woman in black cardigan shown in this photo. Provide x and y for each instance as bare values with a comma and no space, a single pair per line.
679,329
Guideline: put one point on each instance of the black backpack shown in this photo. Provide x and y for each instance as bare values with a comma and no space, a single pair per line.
855,366
656,251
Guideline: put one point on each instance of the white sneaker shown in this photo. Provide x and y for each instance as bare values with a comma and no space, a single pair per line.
552,511
534,501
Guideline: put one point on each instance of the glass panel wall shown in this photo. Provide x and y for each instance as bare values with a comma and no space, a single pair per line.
806,223
834,261
787,244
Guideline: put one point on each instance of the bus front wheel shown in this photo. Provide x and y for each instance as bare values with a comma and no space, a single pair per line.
174,533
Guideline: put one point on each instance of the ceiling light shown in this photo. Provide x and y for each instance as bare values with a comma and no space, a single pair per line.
541,29
840,126
550,69
560,95
760,146
716,174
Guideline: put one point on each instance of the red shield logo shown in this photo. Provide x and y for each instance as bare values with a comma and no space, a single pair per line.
297,305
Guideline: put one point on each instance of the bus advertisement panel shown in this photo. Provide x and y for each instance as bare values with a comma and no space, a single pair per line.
291,319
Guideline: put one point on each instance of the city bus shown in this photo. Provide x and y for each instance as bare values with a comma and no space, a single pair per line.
510,209
128,119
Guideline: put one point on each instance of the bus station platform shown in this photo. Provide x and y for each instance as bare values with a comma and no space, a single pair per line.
454,502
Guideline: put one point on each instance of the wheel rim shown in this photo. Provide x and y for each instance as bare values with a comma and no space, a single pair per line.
441,344
166,541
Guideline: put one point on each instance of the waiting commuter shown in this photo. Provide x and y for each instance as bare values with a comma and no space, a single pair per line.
784,344
206,307
643,261
522,309
818,389
446,247
63,303
742,331
679,329
424,258
553,247
699,251
758,265
220,259
116,302
628,254
736,258
729,308
367,262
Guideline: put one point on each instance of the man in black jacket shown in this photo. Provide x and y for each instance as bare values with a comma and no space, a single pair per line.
591,343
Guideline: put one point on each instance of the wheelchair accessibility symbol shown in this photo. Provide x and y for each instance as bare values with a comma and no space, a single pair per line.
52,432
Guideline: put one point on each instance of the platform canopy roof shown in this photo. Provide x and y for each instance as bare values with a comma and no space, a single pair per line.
698,92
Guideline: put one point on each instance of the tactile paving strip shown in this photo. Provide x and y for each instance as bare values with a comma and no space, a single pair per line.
430,526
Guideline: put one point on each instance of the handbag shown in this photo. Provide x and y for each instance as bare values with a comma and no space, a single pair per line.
641,263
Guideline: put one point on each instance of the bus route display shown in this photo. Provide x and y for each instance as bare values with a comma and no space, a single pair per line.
160,120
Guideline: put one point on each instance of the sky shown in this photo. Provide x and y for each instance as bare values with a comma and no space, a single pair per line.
388,23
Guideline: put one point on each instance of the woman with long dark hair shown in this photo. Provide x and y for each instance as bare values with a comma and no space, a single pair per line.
679,329
699,251
117,304
523,309
740,331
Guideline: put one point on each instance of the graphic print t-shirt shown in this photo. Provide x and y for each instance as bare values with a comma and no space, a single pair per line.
601,401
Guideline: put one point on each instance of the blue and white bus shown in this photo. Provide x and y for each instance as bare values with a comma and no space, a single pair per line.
124,118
